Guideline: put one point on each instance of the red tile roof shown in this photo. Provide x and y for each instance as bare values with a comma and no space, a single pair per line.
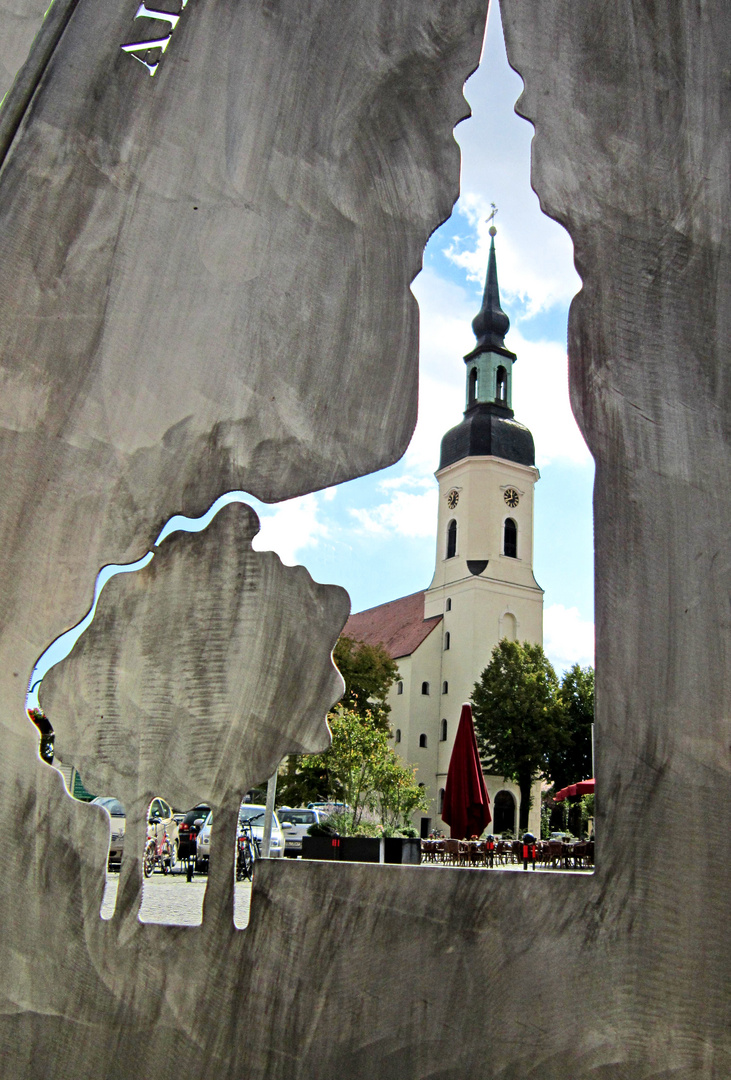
399,625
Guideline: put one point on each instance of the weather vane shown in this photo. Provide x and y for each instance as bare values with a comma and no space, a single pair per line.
492,230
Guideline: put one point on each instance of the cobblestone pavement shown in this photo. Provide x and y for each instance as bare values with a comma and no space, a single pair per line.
170,899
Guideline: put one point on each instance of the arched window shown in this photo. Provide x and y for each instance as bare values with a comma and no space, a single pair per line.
510,538
451,539
445,687
399,687
447,639
425,688
441,800
509,627
444,730
398,734
448,605
501,389
422,740
473,386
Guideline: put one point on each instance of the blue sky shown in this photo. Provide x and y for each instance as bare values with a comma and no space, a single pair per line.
376,535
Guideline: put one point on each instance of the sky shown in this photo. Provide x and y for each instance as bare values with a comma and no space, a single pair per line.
376,536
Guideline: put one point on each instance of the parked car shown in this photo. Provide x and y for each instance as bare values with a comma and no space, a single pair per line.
252,812
161,819
295,823
188,830
119,820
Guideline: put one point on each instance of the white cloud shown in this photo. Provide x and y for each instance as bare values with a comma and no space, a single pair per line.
541,401
404,514
535,254
292,526
392,483
567,638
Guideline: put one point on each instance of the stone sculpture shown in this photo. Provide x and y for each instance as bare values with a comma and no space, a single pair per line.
202,272
124,399
172,688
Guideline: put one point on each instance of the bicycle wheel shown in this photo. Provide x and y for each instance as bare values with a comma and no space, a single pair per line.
247,856
148,859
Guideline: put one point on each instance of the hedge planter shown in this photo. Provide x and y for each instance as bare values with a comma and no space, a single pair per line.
320,847
360,849
397,849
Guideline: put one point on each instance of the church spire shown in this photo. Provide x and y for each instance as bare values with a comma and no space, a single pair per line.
491,324
489,428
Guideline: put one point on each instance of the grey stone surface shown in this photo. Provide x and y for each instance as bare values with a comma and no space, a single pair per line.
398,972
20,21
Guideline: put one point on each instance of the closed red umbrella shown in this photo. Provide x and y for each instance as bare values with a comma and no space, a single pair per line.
584,787
466,806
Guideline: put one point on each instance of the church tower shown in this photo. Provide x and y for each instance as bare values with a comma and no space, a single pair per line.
483,585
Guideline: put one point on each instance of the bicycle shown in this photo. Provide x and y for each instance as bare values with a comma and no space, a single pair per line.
247,852
157,853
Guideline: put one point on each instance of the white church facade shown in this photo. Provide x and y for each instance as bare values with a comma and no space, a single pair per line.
483,587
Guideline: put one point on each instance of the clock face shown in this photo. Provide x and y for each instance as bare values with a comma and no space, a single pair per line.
512,498
452,499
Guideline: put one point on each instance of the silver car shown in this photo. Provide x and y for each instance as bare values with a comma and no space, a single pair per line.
295,823
119,821
252,812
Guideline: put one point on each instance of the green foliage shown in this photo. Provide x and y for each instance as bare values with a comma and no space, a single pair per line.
395,795
518,715
304,779
570,760
362,771
358,745
369,672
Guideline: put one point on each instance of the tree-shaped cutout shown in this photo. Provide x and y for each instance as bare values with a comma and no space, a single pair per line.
176,686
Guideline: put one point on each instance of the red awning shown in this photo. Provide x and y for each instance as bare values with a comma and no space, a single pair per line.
584,787
466,806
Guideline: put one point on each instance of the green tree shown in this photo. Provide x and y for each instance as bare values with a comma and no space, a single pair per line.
361,770
570,760
304,779
369,673
358,744
396,794
518,715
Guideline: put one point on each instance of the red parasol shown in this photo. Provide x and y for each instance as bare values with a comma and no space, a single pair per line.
584,787
466,802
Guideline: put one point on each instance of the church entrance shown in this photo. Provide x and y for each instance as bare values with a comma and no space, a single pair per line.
504,813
